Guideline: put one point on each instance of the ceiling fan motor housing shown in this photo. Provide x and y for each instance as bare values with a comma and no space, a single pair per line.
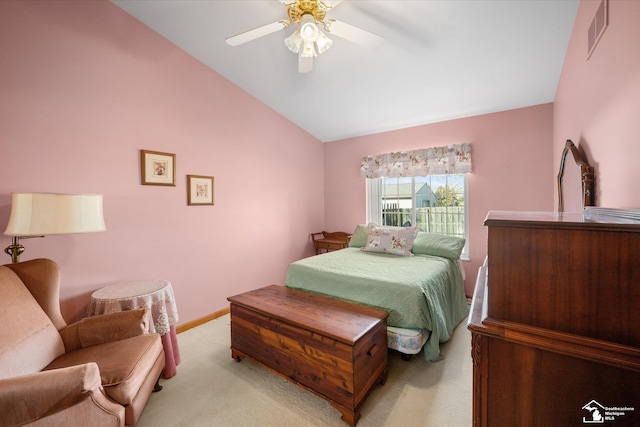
307,7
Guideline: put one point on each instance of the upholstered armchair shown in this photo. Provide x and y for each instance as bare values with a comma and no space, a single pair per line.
99,371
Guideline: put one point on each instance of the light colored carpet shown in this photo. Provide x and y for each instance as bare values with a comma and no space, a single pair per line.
212,389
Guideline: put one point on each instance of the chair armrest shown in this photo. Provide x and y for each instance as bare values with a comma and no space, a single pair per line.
27,398
106,328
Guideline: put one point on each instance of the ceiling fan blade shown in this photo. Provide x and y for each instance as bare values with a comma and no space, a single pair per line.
332,3
355,34
329,3
247,36
305,64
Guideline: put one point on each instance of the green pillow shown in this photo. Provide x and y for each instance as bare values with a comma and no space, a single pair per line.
437,245
359,237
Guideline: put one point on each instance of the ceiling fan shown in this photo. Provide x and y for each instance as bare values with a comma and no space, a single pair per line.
308,37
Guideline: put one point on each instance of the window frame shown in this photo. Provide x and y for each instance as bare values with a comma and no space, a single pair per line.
374,206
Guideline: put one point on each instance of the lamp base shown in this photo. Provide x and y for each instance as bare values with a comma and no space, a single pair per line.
15,249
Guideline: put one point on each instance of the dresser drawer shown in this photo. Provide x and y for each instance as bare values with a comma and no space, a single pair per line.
330,246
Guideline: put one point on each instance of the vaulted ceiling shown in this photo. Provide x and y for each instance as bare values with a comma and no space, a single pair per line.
440,60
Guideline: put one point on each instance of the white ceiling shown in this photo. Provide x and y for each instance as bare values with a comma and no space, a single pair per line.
441,60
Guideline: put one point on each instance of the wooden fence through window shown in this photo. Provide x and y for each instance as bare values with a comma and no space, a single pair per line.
447,220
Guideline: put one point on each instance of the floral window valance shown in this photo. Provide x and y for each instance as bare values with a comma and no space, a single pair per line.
428,161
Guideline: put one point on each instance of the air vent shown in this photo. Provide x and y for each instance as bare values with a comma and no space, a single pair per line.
598,25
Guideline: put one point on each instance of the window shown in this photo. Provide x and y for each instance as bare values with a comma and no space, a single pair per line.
435,203
425,187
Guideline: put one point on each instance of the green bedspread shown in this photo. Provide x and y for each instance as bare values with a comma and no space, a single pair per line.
422,291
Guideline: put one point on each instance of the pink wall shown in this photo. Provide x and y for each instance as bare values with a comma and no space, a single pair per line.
512,165
597,104
84,87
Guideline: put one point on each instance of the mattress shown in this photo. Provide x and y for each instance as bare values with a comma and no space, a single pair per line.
407,341
418,292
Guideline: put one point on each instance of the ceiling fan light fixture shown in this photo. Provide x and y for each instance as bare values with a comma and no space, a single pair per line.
307,38
308,50
323,42
294,41
309,32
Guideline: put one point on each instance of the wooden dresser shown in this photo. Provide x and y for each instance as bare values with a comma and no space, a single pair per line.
333,348
555,320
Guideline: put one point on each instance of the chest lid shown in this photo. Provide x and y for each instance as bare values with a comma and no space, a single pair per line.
340,320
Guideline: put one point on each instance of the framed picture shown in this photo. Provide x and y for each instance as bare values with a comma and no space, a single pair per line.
157,168
199,190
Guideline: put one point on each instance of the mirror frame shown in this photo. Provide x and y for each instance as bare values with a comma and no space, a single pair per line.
586,173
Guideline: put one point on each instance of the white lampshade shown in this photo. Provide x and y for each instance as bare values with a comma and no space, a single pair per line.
294,41
323,42
42,214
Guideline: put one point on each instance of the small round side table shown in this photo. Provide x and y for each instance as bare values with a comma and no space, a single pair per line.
156,295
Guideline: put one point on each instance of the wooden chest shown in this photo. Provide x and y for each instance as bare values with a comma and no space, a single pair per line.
333,348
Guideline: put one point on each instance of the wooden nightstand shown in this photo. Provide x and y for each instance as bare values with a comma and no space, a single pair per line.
330,241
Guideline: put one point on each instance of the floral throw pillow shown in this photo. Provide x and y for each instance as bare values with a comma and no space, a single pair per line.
390,240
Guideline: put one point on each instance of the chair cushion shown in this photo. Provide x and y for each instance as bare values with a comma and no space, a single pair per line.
29,341
124,365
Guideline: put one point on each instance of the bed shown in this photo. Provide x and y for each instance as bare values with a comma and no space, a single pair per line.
423,291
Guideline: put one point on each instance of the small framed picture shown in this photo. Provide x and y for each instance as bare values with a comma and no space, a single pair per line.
157,168
199,190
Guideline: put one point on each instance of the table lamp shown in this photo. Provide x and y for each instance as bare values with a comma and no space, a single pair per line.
43,214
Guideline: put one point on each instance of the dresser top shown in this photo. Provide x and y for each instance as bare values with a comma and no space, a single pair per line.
590,218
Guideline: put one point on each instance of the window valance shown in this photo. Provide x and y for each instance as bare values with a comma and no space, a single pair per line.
427,161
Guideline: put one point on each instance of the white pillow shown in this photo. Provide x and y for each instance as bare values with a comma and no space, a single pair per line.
390,240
